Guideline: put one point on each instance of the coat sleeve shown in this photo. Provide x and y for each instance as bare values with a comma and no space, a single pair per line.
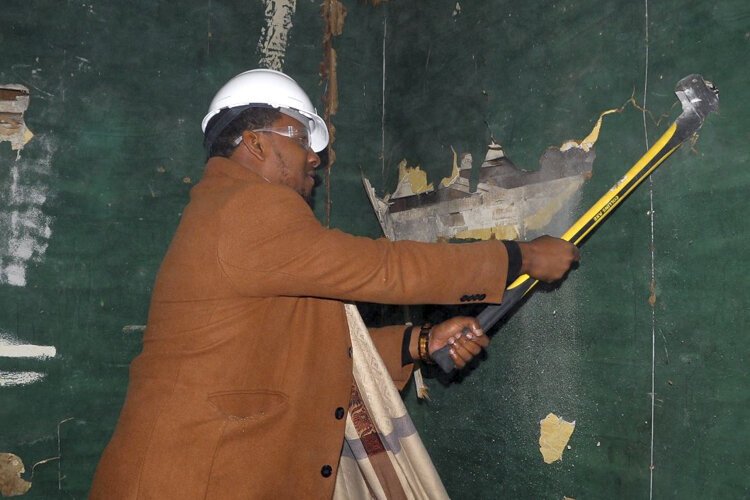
388,341
271,244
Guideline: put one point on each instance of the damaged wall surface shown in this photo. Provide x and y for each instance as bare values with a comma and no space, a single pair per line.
639,345
642,347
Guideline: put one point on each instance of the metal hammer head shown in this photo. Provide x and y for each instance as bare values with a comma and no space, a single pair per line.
697,96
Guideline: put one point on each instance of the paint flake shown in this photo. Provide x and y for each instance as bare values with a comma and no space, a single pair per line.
554,436
14,100
11,468
411,181
588,142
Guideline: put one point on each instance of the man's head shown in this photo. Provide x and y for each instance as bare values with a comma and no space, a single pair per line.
263,120
280,153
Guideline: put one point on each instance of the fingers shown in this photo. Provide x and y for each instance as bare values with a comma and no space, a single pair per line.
466,346
462,335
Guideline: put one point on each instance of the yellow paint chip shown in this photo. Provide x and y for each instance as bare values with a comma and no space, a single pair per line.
411,180
27,136
555,433
447,181
489,233
588,142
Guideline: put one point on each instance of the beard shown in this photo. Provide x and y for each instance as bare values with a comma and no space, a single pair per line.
288,178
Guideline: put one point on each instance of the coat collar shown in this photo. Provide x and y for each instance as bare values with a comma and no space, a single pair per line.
220,166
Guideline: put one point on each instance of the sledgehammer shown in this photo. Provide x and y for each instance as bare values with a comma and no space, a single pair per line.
698,98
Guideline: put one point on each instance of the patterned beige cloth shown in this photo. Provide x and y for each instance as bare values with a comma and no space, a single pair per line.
383,456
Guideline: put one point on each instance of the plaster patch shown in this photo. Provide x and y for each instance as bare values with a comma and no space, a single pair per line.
275,35
11,468
554,436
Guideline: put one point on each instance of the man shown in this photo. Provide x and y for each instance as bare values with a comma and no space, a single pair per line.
245,378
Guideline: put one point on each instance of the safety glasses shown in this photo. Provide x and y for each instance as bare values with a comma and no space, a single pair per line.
299,136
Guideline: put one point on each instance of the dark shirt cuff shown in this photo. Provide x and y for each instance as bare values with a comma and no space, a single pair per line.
406,358
514,260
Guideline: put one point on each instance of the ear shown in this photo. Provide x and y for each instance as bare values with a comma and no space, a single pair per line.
253,143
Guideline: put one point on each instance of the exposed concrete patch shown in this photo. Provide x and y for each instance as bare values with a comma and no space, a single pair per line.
509,203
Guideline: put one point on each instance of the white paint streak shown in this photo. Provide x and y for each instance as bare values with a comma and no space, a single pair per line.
24,228
274,37
11,347
27,351
10,379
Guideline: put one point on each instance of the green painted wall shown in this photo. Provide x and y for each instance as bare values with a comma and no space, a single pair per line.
117,93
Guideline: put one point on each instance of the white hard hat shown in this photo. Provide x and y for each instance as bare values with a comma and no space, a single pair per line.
266,87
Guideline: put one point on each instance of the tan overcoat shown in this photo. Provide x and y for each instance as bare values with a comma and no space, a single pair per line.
246,374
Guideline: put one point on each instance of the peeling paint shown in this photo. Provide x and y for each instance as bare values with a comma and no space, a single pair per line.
14,100
411,181
455,172
11,483
554,436
334,15
588,142
508,203
275,35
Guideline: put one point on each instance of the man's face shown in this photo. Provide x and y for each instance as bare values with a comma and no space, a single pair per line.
291,161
